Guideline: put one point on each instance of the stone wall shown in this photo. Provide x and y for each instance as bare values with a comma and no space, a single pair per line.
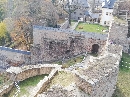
22,73
118,35
6,88
51,43
100,77
43,84
14,56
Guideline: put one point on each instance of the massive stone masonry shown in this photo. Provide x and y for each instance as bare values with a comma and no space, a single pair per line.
52,44
99,78
21,73
118,35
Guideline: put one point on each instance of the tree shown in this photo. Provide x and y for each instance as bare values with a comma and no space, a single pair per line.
2,9
68,7
23,15
22,33
121,7
4,35
43,12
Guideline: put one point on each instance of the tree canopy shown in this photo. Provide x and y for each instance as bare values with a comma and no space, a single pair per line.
2,9
4,35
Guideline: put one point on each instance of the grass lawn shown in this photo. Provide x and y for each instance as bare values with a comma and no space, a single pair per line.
1,80
90,28
63,78
119,20
123,83
73,22
26,86
70,62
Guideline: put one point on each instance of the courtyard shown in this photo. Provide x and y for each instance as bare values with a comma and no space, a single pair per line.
26,86
86,27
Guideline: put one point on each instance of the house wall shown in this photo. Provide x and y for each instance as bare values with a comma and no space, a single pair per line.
108,18
78,13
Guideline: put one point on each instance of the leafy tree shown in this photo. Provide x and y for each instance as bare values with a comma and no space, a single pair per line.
4,35
2,9
22,33
67,6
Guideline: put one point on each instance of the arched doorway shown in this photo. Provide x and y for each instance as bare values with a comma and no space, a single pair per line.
95,48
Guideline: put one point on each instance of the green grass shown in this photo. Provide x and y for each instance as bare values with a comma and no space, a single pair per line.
70,62
123,83
119,20
3,78
93,54
27,85
91,28
124,64
73,22
62,78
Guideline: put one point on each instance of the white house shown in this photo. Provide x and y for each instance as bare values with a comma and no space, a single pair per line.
107,11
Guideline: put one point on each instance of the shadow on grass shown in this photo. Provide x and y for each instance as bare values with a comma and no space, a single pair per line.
118,93
93,54
70,62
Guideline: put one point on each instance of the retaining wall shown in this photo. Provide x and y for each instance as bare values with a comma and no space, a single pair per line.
22,73
15,56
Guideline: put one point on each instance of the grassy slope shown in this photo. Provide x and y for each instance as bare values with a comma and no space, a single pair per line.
90,28
70,62
26,86
123,83
63,78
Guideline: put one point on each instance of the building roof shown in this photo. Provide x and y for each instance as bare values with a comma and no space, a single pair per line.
87,13
82,3
109,4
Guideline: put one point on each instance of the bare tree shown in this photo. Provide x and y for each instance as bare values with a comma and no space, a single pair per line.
67,6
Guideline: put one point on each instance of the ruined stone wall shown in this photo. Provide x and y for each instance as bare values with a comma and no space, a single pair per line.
118,35
6,88
14,56
22,73
100,77
43,84
51,43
